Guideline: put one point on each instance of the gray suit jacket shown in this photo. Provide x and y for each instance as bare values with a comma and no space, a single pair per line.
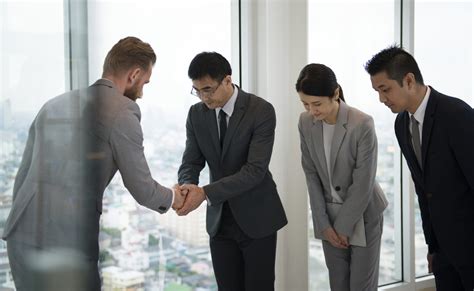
75,146
239,171
353,165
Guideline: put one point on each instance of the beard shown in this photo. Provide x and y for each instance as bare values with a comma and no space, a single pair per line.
133,93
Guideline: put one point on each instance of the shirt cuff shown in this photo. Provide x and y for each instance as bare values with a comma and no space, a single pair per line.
208,201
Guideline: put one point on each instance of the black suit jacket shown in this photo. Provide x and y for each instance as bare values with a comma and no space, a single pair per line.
239,171
445,186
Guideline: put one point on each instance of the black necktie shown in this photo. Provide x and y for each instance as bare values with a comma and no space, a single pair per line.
415,136
222,125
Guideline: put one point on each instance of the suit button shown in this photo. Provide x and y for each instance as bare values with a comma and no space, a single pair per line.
429,195
338,188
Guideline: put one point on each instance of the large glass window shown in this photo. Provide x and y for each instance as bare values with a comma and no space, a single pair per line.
32,70
140,249
344,35
160,250
444,52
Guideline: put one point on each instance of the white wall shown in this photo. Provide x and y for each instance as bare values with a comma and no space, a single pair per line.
274,51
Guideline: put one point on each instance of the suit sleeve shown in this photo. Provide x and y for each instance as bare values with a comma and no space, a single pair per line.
361,190
256,166
430,239
193,160
315,189
26,159
461,139
126,141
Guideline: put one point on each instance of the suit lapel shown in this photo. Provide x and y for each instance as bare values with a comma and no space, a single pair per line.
234,121
211,121
318,145
339,133
428,123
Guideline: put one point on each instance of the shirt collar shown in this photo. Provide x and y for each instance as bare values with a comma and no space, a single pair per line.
420,111
229,106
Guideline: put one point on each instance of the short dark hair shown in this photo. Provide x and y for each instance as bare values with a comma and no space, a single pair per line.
318,80
210,64
128,53
396,62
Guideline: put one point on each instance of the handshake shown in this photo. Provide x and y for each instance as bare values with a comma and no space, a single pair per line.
187,197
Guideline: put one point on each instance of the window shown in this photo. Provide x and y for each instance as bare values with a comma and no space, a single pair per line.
343,35
444,48
32,58
139,248
161,250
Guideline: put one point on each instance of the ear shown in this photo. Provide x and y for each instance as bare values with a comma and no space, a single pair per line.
409,80
133,75
228,79
336,94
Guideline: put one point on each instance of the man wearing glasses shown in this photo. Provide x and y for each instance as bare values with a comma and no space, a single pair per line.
233,131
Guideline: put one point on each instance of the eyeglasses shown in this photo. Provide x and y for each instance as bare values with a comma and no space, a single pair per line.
208,92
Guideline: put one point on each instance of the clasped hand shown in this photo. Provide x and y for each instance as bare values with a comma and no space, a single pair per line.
187,197
336,240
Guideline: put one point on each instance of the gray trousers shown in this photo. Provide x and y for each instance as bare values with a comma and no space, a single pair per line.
356,268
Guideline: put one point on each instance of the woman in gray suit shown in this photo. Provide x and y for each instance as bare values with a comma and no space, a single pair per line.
339,158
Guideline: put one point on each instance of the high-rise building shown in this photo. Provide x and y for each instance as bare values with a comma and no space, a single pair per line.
117,279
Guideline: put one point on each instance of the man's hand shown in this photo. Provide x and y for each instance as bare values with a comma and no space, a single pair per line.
331,235
195,196
430,257
179,197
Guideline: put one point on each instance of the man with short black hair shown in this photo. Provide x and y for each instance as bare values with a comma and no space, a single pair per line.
436,136
233,132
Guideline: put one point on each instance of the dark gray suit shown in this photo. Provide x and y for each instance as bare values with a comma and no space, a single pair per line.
75,146
240,180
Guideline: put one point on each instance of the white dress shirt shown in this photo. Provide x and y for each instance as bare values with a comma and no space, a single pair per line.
228,108
420,113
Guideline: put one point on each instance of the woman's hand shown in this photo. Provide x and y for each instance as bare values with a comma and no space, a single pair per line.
333,238
344,240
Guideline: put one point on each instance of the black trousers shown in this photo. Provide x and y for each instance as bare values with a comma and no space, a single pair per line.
449,277
51,269
240,262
